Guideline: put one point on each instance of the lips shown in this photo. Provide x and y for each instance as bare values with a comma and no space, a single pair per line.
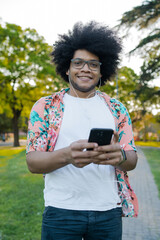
84,78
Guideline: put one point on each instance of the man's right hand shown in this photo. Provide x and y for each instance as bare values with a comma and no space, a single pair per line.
78,154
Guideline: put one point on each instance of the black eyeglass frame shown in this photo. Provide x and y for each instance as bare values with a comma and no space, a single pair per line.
86,62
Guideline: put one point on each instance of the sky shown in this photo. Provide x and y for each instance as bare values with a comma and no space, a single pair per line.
53,17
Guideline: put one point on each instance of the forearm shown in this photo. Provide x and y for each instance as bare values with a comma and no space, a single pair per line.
130,163
45,162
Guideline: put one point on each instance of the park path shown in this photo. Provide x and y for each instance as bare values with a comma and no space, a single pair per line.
147,225
10,143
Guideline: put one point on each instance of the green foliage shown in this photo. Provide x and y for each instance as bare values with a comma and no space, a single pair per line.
145,125
146,97
142,16
153,36
21,197
139,98
5,123
26,72
126,80
146,16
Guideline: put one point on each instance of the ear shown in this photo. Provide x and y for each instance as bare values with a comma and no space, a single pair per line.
67,73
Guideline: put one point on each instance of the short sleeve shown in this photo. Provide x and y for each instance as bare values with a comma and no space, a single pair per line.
37,128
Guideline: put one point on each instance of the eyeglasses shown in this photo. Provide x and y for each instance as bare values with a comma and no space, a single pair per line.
79,63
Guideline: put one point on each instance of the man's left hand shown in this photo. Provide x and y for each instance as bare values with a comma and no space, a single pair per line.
110,154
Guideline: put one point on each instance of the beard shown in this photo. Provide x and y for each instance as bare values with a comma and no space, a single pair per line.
82,89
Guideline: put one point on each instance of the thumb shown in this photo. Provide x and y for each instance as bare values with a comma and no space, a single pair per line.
115,137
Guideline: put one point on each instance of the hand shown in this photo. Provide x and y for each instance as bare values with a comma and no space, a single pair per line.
109,154
77,154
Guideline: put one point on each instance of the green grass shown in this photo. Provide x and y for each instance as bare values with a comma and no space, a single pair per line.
21,194
21,197
153,157
147,144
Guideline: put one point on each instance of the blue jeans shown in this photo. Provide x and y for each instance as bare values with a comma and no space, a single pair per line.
62,224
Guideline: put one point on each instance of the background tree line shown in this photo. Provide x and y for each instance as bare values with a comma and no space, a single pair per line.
26,73
146,17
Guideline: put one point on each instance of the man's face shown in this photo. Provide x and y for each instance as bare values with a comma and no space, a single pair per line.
83,80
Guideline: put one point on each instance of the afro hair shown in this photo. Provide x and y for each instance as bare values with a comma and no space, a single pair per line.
93,37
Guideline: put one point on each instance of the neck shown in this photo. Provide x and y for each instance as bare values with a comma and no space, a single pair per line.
75,93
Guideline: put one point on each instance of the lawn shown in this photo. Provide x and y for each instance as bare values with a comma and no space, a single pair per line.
153,157
21,197
147,144
21,194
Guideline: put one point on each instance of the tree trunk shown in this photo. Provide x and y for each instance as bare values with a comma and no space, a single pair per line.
145,132
15,119
145,123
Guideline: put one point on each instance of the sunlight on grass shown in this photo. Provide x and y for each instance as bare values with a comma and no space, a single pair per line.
148,144
6,153
21,197
9,151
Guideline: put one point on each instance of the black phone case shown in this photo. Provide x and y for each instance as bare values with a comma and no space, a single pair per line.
102,136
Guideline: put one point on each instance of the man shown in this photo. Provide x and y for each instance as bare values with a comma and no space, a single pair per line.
86,191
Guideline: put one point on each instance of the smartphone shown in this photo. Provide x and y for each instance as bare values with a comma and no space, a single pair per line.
102,136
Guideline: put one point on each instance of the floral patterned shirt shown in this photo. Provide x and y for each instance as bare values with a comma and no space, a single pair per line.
43,129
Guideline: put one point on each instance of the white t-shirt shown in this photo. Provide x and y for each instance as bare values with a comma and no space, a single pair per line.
93,187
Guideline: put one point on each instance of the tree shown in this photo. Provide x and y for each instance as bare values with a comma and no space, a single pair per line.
146,98
137,96
142,16
146,16
125,83
148,128
26,72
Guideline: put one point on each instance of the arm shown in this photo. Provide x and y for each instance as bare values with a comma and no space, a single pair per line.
45,162
131,161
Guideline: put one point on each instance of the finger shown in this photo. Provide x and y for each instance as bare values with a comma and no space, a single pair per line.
109,148
115,137
82,161
84,154
83,144
107,156
114,162
80,165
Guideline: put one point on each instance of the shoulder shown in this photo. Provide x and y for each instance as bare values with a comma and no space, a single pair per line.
42,102
118,105
114,104
47,101
117,108
43,105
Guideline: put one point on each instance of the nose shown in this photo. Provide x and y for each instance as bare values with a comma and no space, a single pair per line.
85,67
